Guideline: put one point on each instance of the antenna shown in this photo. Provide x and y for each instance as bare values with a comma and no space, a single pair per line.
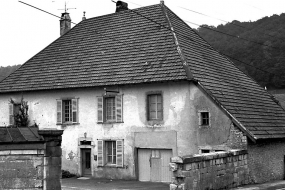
43,10
65,9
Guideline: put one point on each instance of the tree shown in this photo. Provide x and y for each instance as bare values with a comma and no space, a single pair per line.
21,117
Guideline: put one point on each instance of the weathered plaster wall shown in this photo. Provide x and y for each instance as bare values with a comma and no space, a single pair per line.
221,134
266,161
181,103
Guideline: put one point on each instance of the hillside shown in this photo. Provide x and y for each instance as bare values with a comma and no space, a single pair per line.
270,57
5,71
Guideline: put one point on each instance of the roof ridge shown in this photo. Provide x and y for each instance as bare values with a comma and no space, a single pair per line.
186,66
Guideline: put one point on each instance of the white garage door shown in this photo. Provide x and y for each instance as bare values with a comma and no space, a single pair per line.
154,165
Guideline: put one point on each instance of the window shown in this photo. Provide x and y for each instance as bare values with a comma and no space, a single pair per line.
13,110
205,151
67,111
154,111
110,109
204,118
155,154
110,153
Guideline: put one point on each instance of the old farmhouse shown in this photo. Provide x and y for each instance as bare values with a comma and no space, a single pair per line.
133,88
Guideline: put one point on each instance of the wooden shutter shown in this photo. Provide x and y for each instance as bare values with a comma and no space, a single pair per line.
100,110
120,153
74,103
59,111
119,108
100,153
11,114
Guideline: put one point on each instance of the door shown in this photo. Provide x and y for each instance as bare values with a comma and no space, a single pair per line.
153,165
86,161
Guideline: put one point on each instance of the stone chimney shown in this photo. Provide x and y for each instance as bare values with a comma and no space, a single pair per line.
65,23
84,18
121,6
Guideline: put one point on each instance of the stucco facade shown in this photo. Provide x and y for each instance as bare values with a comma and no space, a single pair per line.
179,131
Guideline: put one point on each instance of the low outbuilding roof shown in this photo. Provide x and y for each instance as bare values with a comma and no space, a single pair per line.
19,135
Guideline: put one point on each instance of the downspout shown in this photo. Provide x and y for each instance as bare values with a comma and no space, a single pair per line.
182,57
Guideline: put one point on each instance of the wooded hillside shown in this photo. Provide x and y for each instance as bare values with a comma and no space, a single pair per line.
5,71
268,53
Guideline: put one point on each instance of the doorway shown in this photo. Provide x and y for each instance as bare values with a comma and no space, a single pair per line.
86,161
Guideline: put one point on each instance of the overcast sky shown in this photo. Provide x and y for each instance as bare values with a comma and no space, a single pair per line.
25,30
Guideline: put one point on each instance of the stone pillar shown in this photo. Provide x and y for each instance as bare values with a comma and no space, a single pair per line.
52,159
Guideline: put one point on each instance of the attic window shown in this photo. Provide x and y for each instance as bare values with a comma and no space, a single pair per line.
204,118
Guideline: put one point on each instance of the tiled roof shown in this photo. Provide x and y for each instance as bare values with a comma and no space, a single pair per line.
19,135
137,46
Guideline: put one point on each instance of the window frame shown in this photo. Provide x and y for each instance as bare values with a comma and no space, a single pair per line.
102,153
148,96
13,108
102,109
73,111
202,118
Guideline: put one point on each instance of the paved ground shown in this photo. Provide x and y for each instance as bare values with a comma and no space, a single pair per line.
274,185
104,184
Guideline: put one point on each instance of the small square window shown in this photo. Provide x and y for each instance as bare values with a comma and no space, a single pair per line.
155,153
204,117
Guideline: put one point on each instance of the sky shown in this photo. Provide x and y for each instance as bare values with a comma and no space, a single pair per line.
25,31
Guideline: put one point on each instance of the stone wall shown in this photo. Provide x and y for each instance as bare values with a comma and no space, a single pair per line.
266,161
21,169
32,165
220,170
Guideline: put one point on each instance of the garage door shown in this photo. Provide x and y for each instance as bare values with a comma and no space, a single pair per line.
154,165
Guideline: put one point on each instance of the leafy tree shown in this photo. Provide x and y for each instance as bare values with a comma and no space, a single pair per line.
270,57
21,117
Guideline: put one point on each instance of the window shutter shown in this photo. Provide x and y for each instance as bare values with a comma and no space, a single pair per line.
100,109
119,108
59,111
11,114
100,155
120,153
74,110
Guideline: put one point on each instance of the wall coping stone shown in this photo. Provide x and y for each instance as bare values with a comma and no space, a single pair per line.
206,156
50,132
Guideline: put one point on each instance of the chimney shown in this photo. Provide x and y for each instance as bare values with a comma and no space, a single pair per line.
65,23
84,18
121,6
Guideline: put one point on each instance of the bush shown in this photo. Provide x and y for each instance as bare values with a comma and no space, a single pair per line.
66,174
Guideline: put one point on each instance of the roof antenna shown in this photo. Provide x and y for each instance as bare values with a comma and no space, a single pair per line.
66,9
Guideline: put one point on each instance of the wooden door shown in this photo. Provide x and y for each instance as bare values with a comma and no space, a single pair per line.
144,164
86,161
154,165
